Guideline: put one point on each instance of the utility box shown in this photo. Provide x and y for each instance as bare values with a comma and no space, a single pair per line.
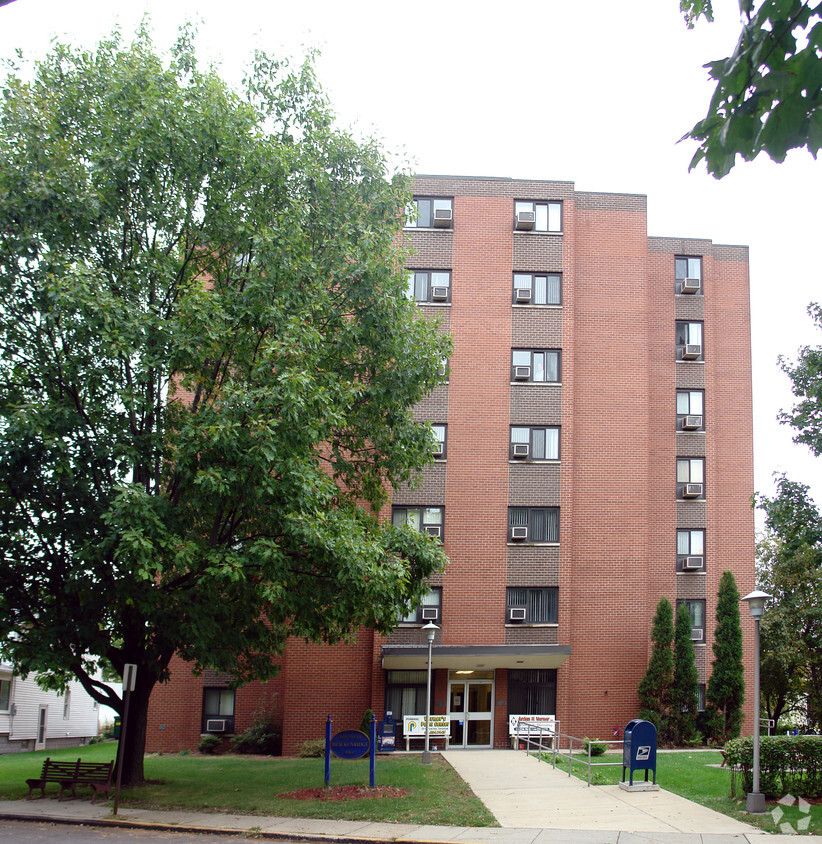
639,749
387,733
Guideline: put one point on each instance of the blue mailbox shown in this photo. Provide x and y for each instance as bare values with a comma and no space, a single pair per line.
639,749
387,733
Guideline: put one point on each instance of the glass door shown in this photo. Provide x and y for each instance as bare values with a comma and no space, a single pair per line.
470,708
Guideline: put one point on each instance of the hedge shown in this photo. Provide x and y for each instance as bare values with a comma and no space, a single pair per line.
787,765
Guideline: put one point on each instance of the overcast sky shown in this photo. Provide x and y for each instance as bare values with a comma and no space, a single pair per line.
595,92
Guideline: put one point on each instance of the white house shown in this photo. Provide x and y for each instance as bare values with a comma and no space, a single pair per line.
32,718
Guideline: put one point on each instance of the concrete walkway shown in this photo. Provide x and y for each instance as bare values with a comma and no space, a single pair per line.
533,803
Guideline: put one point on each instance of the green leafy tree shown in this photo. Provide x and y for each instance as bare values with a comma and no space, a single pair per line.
790,569
725,693
207,371
655,687
806,384
768,95
684,690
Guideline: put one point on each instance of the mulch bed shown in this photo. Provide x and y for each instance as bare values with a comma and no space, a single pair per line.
345,792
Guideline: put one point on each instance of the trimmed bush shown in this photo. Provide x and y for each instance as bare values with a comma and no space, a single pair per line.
312,749
597,748
787,765
209,744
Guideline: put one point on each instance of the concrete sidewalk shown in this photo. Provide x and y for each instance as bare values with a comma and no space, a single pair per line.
533,803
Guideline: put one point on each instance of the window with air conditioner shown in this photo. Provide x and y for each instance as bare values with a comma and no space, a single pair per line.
532,605
690,410
428,610
689,344
688,274
429,286
537,366
690,550
534,442
537,289
218,710
533,524
440,440
429,212
424,519
696,611
690,477
538,216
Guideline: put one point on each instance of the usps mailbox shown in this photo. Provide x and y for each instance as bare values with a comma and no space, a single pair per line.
639,749
387,733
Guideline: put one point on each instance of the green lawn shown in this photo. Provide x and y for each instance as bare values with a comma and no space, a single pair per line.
250,786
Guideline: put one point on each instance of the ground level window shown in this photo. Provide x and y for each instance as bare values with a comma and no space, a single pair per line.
405,693
532,691
218,711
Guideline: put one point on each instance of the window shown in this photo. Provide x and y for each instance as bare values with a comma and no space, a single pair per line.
535,366
405,693
439,441
67,705
533,524
5,695
690,477
696,609
532,606
429,610
537,289
690,410
534,443
690,550
218,711
426,212
432,286
689,341
688,272
538,216
532,691
425,519
700,697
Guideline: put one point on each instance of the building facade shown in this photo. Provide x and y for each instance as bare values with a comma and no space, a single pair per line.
595,453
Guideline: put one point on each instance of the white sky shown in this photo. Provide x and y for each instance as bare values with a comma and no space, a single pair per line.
594,92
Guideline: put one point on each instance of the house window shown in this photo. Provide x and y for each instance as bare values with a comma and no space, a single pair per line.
688,273
532,606
429,610
537,289
532,691
690,477
689,340
700,697
430,286
696,609
538,216
534,443
439,441
535,366
426,212
424,519
690,550
218,710
533,524
67,705
690,414
405,693
5,695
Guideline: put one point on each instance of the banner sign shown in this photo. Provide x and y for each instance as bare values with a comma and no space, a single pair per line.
414,726
531,724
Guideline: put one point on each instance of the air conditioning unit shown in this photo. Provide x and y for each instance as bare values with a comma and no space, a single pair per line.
692,351
439,294
697,635
691,423
519,532
525,220
523,294
516,613
444,368
522,373
434,530
443,217
215,726
430,613
692,491
438,450
691,285
692,563
521,449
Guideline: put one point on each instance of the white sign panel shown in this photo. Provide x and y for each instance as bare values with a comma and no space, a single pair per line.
531,724
414,726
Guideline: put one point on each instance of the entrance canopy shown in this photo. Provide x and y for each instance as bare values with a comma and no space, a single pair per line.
474,657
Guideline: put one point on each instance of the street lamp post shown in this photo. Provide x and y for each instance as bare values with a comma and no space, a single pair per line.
430,631
756,604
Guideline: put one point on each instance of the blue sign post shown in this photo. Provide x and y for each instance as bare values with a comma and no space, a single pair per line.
373,754
328,751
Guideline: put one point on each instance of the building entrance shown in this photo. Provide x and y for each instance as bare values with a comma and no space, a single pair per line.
470,708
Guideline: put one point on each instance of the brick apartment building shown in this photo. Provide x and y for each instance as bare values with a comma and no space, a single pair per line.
596,453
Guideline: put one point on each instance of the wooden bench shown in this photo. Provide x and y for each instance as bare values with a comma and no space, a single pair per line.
68,775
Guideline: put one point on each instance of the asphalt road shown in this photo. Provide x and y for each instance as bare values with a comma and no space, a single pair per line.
24,832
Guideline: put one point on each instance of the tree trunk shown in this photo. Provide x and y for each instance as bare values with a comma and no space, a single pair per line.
132,745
